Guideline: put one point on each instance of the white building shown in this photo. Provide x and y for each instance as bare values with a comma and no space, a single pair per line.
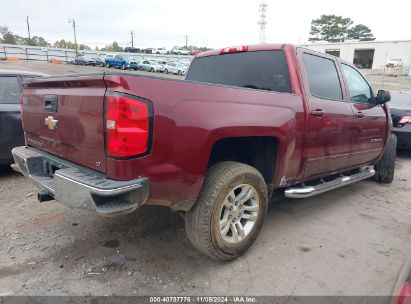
368,54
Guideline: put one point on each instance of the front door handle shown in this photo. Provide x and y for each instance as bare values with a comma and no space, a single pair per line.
359,115
318,113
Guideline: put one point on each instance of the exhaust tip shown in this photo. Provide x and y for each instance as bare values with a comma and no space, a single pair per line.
44,196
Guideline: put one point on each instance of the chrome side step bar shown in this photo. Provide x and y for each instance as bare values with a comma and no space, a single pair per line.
304,191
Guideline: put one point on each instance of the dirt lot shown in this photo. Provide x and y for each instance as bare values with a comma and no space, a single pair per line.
351,241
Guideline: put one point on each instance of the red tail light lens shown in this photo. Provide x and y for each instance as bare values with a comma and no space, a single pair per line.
405,120
405,294
127,126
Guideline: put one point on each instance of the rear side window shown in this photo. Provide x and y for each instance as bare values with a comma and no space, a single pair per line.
262,70
9,90
322,77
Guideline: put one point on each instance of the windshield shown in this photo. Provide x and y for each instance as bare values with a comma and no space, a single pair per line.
400,100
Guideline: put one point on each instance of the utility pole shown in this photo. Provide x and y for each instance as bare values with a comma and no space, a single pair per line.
28,28
263,21
186,36
132,38
74,29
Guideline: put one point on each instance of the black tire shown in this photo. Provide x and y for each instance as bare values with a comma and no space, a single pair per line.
166,71
180,73
202,221
102,65
384,169
152,70
107,65
123,66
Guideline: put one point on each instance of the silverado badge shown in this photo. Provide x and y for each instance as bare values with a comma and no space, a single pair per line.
50,122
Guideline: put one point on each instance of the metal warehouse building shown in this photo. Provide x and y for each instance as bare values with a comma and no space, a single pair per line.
369,54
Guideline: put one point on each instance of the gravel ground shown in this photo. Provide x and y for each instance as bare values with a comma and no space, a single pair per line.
350,241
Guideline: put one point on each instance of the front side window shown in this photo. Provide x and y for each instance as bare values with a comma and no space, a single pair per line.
9,90
359,89
322,77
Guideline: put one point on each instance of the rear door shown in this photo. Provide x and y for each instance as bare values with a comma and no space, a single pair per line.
65,117
330,117
370,120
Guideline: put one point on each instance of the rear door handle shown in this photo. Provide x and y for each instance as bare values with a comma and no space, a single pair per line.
359,115
318,113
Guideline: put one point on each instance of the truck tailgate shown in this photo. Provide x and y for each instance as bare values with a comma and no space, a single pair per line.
64,116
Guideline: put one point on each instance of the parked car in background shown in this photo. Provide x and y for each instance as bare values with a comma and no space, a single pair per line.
396,62
147,51
84,60
180,51
248,122
151,66
162,51
11,131
132,50
121,61
400,108
175,68
195,52
108,56
99,61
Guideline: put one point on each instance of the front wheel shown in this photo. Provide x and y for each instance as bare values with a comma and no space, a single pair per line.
384,169
229,212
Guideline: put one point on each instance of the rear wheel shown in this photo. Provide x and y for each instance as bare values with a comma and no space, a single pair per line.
123,66
229,212
152,70
384,169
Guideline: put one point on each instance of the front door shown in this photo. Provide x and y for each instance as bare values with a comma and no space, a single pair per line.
330,117
370,120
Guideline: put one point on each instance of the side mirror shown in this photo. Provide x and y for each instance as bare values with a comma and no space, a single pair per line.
383,97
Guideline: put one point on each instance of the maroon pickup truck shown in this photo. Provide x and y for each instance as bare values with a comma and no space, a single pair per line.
246,123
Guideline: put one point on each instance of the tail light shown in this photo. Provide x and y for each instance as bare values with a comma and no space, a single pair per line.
404,296
405,120
235,49
127,125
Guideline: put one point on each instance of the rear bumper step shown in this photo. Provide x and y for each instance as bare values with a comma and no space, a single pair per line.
79,187
304,191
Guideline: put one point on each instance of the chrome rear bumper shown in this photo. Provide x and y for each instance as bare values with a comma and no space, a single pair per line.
79,187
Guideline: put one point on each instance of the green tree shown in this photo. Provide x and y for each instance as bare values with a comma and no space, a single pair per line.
330,28
114,47
39,41
360,32
7,35
84,47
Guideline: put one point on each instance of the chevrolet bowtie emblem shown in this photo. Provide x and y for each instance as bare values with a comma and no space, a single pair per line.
50,122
